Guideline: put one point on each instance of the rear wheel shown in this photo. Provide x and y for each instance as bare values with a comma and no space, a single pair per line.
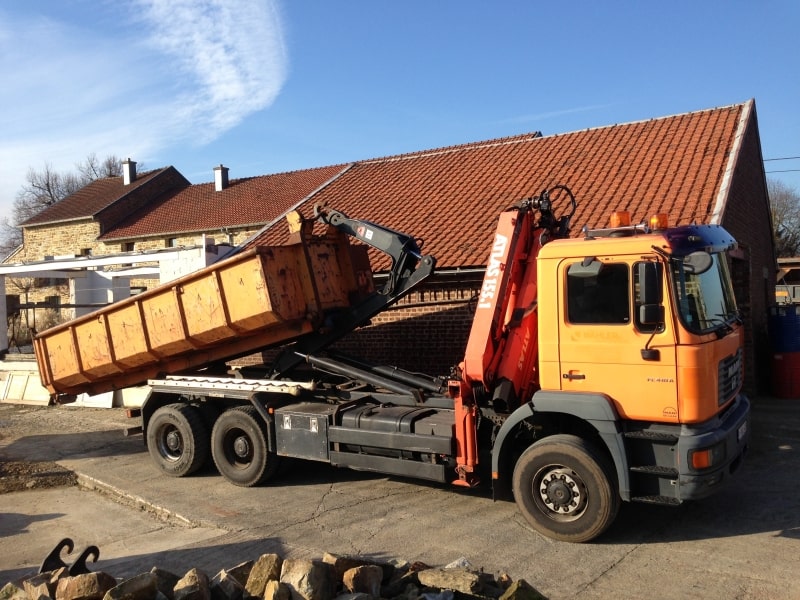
239,447
177,439
565,488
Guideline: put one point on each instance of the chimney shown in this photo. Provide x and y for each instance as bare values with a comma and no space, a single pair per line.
128,172
220,178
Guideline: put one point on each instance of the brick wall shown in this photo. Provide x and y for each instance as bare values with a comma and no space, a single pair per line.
747,218
425,332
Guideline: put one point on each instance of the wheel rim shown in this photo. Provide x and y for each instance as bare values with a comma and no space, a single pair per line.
238,448
560,493
170,443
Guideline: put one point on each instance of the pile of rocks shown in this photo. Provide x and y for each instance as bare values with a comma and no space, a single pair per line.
273,578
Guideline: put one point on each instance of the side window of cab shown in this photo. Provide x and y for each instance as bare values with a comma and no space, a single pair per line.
598,293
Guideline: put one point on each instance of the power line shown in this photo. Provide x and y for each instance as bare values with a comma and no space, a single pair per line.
784,171
783,158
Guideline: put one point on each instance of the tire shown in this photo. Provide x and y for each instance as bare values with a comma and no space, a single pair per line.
566,489
239,447
178,439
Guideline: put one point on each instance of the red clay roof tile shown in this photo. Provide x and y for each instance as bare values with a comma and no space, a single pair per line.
90,200
451,197
251,201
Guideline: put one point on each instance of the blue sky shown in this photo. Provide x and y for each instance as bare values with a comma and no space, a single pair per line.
266,86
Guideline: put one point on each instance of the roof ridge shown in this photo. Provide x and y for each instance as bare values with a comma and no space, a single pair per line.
80,195
267,175
511,139
651,119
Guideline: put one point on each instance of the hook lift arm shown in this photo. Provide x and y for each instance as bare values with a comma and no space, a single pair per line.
409,268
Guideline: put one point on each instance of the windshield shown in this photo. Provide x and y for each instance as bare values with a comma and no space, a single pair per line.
704,295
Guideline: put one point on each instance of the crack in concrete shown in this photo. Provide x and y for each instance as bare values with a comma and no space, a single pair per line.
320,508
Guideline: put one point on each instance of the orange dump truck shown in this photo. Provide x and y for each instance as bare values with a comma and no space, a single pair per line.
598,370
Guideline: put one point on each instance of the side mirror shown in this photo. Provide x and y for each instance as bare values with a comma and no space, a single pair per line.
697,262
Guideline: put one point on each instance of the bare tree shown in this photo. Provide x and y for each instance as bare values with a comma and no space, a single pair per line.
10,238
785,203
92,168
46,187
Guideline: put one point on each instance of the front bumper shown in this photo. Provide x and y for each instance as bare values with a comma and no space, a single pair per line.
731,429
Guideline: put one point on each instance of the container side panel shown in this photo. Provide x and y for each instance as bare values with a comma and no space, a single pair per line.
245,289
205,311
164,322
62,357
128,336
333,286
96,351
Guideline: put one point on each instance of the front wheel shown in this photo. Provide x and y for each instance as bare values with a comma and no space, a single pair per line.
239,447
565,488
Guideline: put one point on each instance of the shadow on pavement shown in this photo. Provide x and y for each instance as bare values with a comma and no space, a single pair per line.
59,446
764,495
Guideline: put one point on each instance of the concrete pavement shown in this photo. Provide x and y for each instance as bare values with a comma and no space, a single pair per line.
741,543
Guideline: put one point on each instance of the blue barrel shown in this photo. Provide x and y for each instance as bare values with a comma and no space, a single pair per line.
784,328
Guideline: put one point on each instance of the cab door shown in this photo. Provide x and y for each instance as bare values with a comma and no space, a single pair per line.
601,339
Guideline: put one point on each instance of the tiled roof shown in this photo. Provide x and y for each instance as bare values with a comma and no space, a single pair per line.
451,197
249,201
91,199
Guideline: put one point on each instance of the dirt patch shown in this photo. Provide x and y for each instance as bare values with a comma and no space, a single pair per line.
19,476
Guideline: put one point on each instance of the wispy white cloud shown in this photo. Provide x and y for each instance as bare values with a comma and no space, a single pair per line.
171,72
228,57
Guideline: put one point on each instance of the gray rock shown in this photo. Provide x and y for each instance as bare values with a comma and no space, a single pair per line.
459,563
39,587
13,591
193,586
276,590
307,579
265,569
165,582
341,564
141,587
241,572
86,586
365,579
226,587
459,580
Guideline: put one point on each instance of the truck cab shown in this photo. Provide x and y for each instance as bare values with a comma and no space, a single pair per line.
598,331
640,372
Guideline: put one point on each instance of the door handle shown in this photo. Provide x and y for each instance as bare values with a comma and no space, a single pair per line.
572,376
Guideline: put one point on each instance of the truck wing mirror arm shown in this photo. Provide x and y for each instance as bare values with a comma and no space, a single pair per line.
651,314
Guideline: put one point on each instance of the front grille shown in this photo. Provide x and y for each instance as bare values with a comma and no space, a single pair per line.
730,376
